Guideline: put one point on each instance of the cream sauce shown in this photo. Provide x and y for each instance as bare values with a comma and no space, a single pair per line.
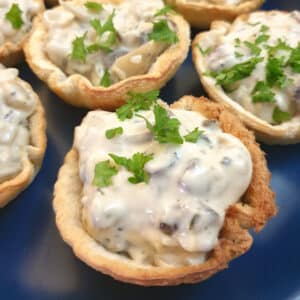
285,26
29,9
132,21
175,219
16,106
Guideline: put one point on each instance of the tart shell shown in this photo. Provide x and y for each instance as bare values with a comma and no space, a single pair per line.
79,91
12,53
33,158
201,14
285,133
253,211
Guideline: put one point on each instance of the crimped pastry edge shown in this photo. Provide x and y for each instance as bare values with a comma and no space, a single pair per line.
256,207
12,53
32,160
202,14
285,133
78,90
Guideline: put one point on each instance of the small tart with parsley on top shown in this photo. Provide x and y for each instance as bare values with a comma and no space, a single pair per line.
92,53
158,195
253,67
22,134
200,13
16,18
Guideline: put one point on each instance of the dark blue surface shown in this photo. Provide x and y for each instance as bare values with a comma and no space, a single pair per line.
36,264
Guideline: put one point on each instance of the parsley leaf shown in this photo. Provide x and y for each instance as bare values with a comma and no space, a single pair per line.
280,46
94,6
137,102
167,9
14,16
111,133
262,93
294,60
103,174
226,77
193,136
275,74
134,165
79,51
166,129
238,54
280,116
262,38
253,48
206,51
163,33
105,80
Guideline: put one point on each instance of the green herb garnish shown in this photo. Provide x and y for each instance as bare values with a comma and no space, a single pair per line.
253,48
105,80
193,136
167,9
103,174
134,165
79,51
137,102
294,60
14,16
262,93
280,116
94,6
275,74
163,33
111,133
206,51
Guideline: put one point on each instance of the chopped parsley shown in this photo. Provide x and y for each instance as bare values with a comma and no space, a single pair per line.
262,93
167,9
135,165
165,129
79,51
238,54
253,48
14,16
163,33
280,46
137,102
94,6
105,80
193,136
275,74
280,116
111,133
103,174
227,77
294,60
206,51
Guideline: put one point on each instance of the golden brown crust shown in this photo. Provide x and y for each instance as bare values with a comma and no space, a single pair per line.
201,14
285,133
256,207
33,157
12,53
78,90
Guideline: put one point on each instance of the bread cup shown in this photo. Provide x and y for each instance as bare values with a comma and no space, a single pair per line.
201,13
254,208
156,61
23,135
11,48
223,44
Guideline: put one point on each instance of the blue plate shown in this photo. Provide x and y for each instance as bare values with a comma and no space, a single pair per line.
36,264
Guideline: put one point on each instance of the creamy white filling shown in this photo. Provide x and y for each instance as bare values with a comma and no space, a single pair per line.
132,21
284,26
16,105
29,9
175,219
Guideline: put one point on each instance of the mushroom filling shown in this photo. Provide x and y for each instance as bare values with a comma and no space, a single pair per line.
257,63
15,19
155,202
16,106
108,43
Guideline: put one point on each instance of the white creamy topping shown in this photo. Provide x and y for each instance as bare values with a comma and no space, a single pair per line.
175,219
29,9
227,52
16,105
132,21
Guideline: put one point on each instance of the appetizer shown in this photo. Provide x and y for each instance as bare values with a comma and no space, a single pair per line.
15,20
253,67
92,54
200,13
154,195
22,134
